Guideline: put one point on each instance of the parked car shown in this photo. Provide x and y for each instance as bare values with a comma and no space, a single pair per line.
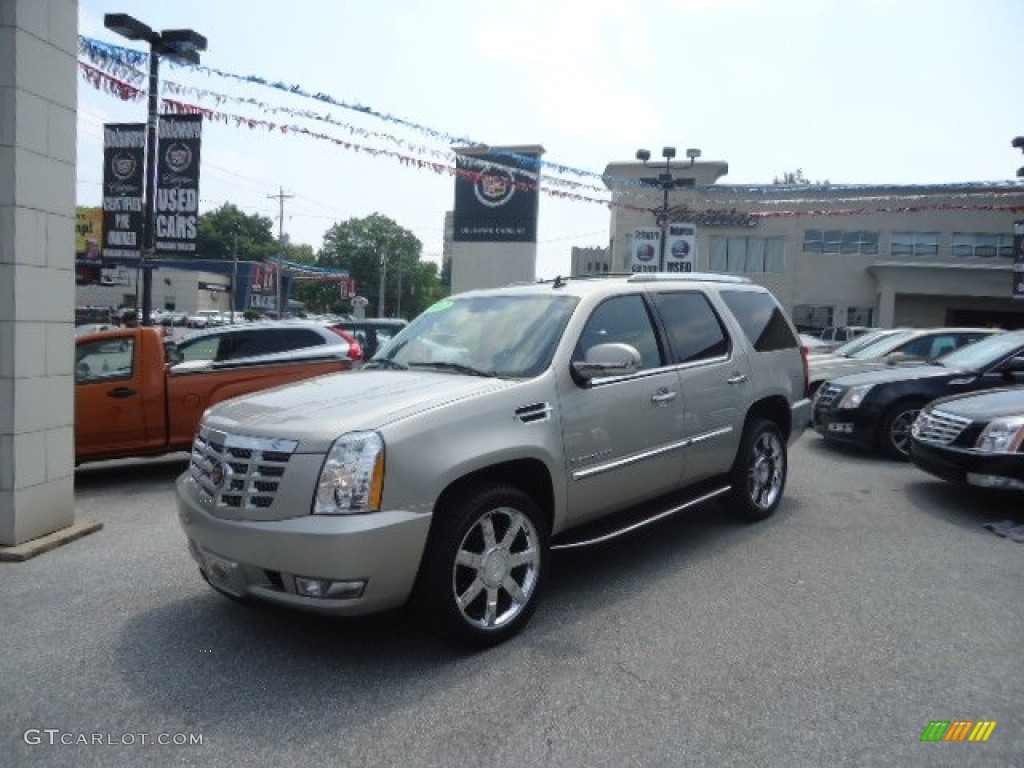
372,333
204,318
813,344
253,342
846,349
130,402
908,346
973,439
499,425
876,410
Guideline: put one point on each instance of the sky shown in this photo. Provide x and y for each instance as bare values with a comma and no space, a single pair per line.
853,91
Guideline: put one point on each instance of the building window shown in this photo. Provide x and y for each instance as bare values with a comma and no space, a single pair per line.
747,255
854,241
860,316
968,245
915,243
808,317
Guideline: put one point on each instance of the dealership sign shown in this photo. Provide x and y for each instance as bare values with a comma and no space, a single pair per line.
646,251
176,213
496,198
681,248
124,148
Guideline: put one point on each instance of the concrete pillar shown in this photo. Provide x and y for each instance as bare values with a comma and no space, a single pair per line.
886,305
38,81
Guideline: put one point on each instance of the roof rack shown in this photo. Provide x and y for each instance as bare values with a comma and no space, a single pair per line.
670,277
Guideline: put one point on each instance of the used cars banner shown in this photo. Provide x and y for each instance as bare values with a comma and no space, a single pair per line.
681,247
124,147
176,216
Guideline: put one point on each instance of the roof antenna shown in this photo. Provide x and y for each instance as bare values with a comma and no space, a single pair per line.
559,283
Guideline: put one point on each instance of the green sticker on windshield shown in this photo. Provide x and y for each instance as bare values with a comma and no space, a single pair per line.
440,306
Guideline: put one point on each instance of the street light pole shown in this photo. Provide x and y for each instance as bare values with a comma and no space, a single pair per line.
383,272
667,182
183,45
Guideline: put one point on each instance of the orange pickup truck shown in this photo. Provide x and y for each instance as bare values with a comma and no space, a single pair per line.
131,401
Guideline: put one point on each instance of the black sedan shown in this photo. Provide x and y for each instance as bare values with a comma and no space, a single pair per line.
876,410
975,439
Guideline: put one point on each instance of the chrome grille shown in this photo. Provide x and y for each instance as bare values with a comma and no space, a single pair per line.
239,472
939,427
826,395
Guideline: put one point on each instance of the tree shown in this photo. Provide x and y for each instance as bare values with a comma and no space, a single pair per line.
797,178
220,231
363,247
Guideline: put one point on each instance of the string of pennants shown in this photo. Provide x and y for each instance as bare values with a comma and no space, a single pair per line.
116,72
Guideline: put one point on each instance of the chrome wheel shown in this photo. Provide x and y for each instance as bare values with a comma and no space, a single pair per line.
899,430
497,568
766,472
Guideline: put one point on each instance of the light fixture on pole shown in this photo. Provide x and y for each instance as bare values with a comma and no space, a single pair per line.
180,44
1018,143
667,182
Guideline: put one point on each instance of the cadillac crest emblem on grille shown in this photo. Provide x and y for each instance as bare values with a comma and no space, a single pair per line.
217,474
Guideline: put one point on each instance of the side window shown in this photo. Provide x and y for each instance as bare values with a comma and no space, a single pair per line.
694,330
625,320
205,348
298,338
762,320
925,345
105,360
242,344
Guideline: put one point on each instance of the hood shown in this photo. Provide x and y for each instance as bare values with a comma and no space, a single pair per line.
317,411
986,405
899,373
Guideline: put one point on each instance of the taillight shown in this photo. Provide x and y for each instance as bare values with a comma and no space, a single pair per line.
355,350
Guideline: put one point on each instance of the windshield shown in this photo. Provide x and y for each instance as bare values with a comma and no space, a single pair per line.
882,346
982,354
861,341
492,335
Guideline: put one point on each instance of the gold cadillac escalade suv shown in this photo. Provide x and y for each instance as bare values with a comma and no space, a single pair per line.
498,426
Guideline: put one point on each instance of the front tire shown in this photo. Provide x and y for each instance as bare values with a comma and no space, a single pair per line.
759,472
894,431
484,566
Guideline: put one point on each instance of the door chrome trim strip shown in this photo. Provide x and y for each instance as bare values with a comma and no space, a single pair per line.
582,474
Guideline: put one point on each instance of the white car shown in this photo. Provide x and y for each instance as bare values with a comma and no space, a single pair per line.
205,318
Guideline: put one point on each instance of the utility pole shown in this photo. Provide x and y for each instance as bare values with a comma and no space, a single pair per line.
383,272
234,273
281,197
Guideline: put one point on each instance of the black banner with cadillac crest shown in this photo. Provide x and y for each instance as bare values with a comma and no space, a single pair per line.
495,201
176,213
124,160
1018,260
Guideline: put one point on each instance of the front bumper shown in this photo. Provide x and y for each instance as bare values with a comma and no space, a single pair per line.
969,467
263,559
853,426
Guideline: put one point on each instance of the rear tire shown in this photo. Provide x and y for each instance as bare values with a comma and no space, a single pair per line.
759,472
484,566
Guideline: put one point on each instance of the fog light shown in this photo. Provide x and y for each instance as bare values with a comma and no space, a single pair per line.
327,588
995,481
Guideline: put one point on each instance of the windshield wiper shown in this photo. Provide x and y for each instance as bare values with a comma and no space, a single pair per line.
385,362
458,367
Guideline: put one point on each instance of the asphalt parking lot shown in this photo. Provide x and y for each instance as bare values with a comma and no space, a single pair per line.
871,604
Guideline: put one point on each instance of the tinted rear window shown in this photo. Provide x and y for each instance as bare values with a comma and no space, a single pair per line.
762,320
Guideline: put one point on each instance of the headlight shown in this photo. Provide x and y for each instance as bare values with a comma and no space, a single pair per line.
1002,435
352,477
855,396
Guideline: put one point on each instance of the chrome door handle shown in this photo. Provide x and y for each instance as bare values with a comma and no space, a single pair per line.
664,396
737,378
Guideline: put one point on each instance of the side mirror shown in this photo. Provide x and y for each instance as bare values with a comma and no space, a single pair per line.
613,359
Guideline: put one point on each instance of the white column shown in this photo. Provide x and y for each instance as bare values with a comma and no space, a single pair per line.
38,81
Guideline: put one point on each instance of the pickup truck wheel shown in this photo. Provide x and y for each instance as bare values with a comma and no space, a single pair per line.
759,472
894,431
484,566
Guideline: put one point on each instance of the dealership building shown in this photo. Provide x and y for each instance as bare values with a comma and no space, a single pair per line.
878,255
